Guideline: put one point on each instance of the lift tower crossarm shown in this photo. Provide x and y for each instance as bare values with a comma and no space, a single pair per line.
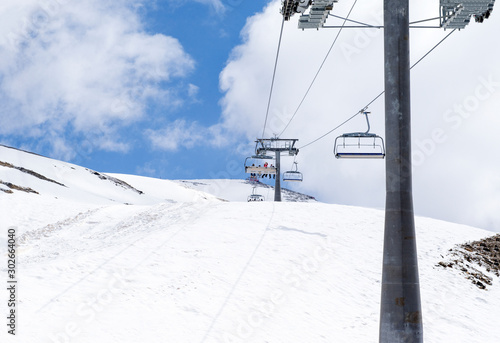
276,144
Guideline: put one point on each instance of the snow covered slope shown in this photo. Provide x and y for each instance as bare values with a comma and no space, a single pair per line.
105,263
36,191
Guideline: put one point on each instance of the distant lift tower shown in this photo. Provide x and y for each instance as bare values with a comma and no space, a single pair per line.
456,14
276,145
320,9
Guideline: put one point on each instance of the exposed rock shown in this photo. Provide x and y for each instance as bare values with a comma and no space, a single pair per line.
30,172
17,188
479,261
114,180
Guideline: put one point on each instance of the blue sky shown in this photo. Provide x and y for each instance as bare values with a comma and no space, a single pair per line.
207,31
178,90
207,34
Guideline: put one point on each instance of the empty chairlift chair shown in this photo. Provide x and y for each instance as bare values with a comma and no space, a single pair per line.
293,175
359,144
255,197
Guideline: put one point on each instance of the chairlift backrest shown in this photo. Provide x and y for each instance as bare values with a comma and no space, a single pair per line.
293,176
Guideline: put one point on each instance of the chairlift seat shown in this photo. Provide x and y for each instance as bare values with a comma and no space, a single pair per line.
260,170
253,165
359,155
292,175
255,197
359,145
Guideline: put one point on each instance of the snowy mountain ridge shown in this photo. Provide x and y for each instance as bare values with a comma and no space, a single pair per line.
149,260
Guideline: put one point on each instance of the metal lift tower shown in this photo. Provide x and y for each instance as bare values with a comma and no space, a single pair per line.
400,313
277,145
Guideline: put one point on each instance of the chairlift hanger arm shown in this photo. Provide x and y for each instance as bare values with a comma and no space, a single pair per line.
367,121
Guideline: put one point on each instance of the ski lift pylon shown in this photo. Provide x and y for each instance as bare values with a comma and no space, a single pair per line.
359,144
293,175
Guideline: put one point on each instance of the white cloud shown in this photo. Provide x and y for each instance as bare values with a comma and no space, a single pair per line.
88,66
188,135
217,5
454,180
178,134
193,91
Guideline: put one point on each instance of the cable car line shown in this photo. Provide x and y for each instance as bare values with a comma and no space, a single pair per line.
326,134
424,20
274,76
377,97
236,283
320,68
442,40
355,21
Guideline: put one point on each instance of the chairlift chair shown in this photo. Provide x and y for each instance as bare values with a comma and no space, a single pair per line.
293,175
255,197
254,165
359,144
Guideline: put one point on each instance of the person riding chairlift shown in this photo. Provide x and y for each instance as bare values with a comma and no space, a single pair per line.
265,166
